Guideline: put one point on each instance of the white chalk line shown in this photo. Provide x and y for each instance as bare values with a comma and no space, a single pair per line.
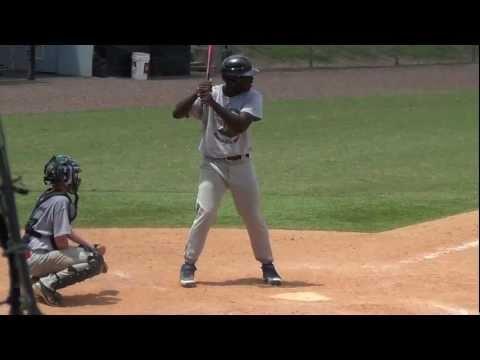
430,256
450,309
441,252
121,274
127,276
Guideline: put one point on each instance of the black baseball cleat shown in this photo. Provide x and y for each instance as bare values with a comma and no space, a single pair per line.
48,296
187,275
270,275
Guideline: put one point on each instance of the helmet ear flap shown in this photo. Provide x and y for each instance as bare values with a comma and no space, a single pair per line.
50,171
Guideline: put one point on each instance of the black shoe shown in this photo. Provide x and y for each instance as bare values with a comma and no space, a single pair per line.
49,297
187,275
270,275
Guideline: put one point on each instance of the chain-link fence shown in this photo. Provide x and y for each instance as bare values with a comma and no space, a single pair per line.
16,60
272,57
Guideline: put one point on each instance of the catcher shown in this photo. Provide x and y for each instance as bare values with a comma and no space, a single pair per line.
52,262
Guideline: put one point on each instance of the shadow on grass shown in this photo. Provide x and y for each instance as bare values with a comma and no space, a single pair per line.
105,297
257,282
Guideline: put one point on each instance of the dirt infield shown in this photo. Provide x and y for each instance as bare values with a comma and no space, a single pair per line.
73,94
431,268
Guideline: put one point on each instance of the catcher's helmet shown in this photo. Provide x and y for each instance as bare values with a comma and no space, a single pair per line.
62,169
237,66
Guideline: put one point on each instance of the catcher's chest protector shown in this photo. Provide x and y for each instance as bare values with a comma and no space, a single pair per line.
72,210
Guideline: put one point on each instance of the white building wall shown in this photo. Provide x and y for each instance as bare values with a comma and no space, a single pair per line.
75,60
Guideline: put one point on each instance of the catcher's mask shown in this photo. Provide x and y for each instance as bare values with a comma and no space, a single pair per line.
237,66
62,169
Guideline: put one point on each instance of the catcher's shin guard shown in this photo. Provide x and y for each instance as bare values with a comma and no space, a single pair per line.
79,272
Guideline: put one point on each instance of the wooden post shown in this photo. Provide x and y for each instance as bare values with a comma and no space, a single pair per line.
310,60
31,70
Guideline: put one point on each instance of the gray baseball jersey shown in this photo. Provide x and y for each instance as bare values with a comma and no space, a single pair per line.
218,141
52,220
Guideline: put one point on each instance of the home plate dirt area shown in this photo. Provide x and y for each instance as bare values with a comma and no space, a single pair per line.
430,268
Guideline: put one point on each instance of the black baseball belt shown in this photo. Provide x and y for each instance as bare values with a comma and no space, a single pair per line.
237,157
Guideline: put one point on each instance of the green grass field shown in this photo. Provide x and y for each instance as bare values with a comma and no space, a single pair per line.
356,164
333,53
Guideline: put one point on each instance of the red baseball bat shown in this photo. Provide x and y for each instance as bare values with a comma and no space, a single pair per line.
209,65
209,60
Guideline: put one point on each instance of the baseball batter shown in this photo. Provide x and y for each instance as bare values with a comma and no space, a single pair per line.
226,112
53,264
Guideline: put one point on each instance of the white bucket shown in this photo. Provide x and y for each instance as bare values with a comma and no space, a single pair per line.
140,65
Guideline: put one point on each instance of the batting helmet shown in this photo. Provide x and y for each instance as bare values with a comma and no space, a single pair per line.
237,66
62,169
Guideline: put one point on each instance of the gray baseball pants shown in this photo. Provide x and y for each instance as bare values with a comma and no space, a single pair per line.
216,176
54,266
